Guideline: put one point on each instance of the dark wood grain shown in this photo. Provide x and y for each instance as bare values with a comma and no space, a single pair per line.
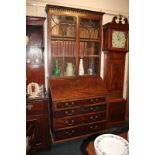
114,72
34,50
37,112
37,108
77,88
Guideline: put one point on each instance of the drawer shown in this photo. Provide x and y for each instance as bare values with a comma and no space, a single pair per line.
79,131
80,110
67,122
73,121
66,104
68,133
95,127
36,108
95,117
94,108
67,112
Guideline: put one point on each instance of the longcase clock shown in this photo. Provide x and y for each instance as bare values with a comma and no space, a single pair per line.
115,47
36,98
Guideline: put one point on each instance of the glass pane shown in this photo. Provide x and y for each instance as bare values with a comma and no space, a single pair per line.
89,28
69,48
65,53
34,55
57,66
69,66
57,48
64,26
91,65
89,48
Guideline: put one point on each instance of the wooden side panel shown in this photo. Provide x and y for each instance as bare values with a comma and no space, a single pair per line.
114,73
35,73
116,110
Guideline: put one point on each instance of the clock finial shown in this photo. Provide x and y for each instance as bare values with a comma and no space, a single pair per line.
120,19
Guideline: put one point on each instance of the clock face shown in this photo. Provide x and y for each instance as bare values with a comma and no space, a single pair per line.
118,39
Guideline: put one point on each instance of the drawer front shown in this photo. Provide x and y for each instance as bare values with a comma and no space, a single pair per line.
67,122
36,108
68,133
79,131
95,108
67,104
80,110
67,112
95,117
72,121
95,127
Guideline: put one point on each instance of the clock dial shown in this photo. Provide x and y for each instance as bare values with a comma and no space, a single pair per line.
118,39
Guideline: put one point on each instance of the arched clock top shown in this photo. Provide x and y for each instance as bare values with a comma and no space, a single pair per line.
121,20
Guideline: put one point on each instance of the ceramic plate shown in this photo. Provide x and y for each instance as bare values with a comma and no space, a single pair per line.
110,144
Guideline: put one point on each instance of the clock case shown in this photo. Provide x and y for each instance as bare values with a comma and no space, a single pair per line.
114,58
115,26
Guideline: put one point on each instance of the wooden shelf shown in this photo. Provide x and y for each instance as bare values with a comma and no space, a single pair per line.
54,56
89,40
90,56
63,38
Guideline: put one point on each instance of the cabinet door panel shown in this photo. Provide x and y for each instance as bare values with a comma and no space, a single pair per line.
116,111
116,76
114,72
36,108
42,131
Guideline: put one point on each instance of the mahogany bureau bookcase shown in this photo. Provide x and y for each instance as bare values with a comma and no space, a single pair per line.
80,100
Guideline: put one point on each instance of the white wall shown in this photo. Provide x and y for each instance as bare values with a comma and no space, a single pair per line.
110,7
37,7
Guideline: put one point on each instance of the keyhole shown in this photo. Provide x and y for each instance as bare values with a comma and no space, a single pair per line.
33,89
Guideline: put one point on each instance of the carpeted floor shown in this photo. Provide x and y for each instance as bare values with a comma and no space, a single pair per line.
76,147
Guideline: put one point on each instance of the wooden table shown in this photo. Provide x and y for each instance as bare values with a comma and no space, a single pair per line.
90,148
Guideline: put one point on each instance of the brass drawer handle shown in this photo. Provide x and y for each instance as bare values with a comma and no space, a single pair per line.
93,127
66,104
69,113
29,107
69,104
72,103
94,108
93,117
92,100
96,99
69,132
69,122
